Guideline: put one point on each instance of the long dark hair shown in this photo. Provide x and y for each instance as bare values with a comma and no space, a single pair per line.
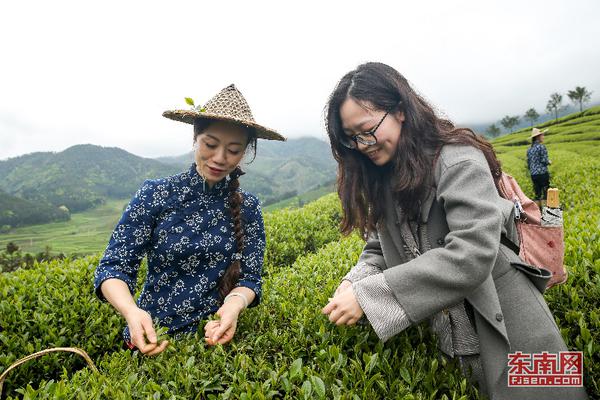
410,172
235,200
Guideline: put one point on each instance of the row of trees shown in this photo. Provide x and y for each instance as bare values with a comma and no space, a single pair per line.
579,96
13,258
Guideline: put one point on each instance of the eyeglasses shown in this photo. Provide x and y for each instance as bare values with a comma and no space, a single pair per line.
367,138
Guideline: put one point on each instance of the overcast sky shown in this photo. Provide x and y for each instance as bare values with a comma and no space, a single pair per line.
103,72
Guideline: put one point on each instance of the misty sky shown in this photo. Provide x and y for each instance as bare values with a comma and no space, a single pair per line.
103,72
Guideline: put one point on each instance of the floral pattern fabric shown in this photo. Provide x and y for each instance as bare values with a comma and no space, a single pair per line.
537,159
186,231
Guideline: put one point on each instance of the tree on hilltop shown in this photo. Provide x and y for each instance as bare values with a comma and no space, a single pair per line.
532,116
509,122
492,130
554,104
579,96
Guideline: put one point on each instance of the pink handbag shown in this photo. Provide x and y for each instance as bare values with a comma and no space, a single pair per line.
541,246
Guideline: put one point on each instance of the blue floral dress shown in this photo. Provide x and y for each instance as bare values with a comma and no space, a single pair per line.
186,231
537,159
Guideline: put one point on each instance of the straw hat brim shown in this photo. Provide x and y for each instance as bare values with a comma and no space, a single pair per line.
189,116
538,133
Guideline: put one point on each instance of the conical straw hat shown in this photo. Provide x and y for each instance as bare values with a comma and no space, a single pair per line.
536,132
227,105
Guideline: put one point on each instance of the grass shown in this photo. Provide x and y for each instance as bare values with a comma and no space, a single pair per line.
86,233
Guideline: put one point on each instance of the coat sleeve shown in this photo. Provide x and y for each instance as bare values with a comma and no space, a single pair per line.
381,308
254,248
442,277
129,241
370,262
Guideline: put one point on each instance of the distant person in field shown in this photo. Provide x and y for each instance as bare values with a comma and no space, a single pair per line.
203,236
537,164
423,193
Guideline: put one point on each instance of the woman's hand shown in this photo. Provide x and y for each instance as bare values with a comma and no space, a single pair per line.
343,286
222,331
344,309
141,329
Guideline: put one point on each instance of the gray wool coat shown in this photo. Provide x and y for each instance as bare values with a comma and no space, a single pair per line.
464,218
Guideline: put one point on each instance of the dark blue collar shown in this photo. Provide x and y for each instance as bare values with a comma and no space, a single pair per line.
198,184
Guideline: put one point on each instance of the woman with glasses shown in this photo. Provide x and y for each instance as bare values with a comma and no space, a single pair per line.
423,194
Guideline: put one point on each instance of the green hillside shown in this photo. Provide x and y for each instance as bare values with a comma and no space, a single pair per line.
86,232
577,127
282,170
80,177
85,176
302,199
15,211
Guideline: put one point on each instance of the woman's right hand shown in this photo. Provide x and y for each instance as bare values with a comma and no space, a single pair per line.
343,286
143,335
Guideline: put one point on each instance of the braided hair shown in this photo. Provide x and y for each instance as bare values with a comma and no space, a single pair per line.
235,198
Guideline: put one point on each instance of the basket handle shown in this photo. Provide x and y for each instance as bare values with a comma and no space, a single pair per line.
23,360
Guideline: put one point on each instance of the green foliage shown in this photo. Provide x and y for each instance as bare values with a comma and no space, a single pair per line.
15,211
531,115
12,258
554,105
508,122
575,170
80,177
282,168
85,233
302,199
291,232
52,305
492,131
286,348
579,96
45,187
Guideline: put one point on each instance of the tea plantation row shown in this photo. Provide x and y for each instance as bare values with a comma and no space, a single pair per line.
53,305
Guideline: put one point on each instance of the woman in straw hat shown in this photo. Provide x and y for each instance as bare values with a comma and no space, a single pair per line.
537,164
423,194
204,237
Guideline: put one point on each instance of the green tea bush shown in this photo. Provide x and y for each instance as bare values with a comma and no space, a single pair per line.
284,349
291,232
575,170
53,305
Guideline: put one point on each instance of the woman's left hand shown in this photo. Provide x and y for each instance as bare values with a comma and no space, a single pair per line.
344,309
221,331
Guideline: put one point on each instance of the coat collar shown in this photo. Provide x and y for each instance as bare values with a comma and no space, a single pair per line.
199,185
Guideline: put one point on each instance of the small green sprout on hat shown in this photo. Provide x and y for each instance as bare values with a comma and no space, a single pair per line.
190,102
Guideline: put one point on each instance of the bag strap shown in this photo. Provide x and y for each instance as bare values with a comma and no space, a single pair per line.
509,243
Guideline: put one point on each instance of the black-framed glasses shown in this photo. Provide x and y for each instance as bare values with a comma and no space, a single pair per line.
367,138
